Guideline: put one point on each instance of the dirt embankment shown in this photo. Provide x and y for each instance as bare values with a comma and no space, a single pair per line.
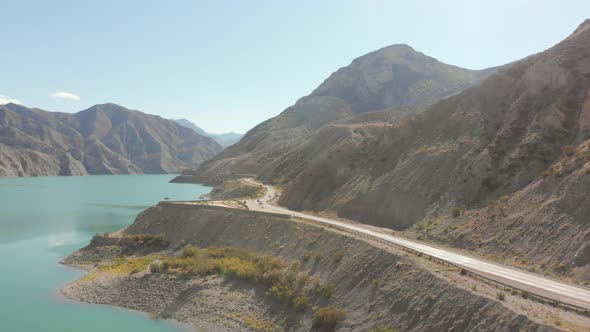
372,286
236,188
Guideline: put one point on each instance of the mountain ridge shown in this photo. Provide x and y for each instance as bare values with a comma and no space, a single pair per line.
103,139
499,168
225,139
395,78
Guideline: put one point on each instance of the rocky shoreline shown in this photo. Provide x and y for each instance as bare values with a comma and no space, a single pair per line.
165,297
371,286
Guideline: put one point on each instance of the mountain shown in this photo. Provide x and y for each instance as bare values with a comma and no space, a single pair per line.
191,125
396,78
224,140
104,139
501,168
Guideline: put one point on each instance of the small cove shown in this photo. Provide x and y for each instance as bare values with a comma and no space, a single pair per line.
44,219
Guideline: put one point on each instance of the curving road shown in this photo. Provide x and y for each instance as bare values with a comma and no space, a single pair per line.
527,281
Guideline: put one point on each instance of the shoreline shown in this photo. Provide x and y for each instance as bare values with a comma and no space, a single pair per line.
59,292
224,303
59,295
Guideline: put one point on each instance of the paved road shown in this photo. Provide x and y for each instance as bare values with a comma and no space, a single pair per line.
527,281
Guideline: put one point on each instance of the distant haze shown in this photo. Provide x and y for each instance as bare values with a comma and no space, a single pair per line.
225,139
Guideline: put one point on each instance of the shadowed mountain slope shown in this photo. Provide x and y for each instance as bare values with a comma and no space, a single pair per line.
104,139
225,139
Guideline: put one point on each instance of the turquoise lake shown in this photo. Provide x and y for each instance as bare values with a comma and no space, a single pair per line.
44,219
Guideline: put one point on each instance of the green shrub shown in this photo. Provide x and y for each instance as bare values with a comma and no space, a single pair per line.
318,256
376,282
286,283
190,251
157,240
568,150
306,256
165,266
301,302
271,277
156,267
329,290
456,213
328,317
257,323
338,256
282,291
382,328
500,296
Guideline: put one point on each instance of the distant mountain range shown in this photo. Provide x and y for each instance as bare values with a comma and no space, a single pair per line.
104,139
224,140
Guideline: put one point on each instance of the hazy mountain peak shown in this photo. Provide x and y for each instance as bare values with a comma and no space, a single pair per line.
225,139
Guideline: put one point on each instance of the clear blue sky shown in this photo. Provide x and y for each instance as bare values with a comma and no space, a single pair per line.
228,65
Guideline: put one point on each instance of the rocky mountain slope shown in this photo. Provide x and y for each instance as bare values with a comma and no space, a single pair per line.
389,78
104,139
225,139
501,168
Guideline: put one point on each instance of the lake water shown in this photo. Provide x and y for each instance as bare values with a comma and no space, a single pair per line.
43,220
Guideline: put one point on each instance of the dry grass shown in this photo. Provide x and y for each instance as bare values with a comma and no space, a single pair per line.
285,281
124,265
257,323
328,317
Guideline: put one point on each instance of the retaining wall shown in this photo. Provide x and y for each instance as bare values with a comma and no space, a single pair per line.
183,205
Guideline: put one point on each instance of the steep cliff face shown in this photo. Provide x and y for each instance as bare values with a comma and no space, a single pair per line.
104,139
519,140
372,285
385,79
